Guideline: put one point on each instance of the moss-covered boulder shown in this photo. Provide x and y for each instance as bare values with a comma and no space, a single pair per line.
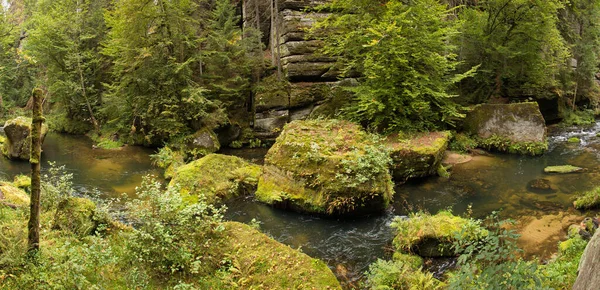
271,93
433,235
12,196
326,167
18,139
417,155
268,264
78,216
514,128
22,181
216,177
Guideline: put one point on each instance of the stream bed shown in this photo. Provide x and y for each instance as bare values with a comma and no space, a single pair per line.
487,183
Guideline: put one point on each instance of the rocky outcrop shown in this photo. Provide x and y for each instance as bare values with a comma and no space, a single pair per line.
327,167
417,155
589,266
18,139
216,177
514,128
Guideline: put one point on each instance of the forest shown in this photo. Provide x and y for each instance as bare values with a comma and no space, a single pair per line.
338,91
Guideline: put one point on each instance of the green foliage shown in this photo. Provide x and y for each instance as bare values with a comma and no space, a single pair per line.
64,40
492,261
395,275
402,50
517,45
173,237
561,271
503,144
462,143
588,200
578,118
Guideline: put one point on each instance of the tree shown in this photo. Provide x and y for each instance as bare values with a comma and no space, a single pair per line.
403,53
517,45
33,226
64,40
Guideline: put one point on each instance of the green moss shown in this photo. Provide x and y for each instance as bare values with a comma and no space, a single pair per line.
13,195
502,144
562,169
414,261
417,155
326,166
433,235
574,140
217,177
588,200
578,118
2,139
398,275
22,181
259,262
77,215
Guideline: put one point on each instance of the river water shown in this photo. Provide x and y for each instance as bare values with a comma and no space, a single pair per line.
485,184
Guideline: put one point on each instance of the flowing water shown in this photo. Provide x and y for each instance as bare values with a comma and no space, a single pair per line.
483,185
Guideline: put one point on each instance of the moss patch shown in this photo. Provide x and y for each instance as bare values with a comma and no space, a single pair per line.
217,177
588,200
574,140
432,235
259,262
562,169
77,215
417,155
13,195
22,181
328,167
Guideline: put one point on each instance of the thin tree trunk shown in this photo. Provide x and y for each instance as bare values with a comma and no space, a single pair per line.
272,38
277,32
33,237
84,93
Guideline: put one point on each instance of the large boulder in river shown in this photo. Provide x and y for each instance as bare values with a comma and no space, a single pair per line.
589,266
417,155
18,139
216,177
514,128
326,167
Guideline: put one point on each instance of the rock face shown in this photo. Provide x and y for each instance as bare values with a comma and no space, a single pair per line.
216,177
589,266
418,155
18,141
518,128
327,167
272,265
205,141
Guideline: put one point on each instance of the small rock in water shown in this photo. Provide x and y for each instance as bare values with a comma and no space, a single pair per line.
541,185
574,140
563,169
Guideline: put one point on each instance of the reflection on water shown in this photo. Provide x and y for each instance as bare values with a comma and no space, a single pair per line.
111,171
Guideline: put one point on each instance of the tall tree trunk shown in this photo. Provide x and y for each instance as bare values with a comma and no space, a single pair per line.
33,237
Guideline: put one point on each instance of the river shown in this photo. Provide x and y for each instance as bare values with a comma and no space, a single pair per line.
485,184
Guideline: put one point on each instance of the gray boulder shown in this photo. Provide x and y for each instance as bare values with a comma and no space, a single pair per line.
18,139
589,266
514,128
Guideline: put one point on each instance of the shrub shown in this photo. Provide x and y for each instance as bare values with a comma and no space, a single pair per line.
462,143
172,236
